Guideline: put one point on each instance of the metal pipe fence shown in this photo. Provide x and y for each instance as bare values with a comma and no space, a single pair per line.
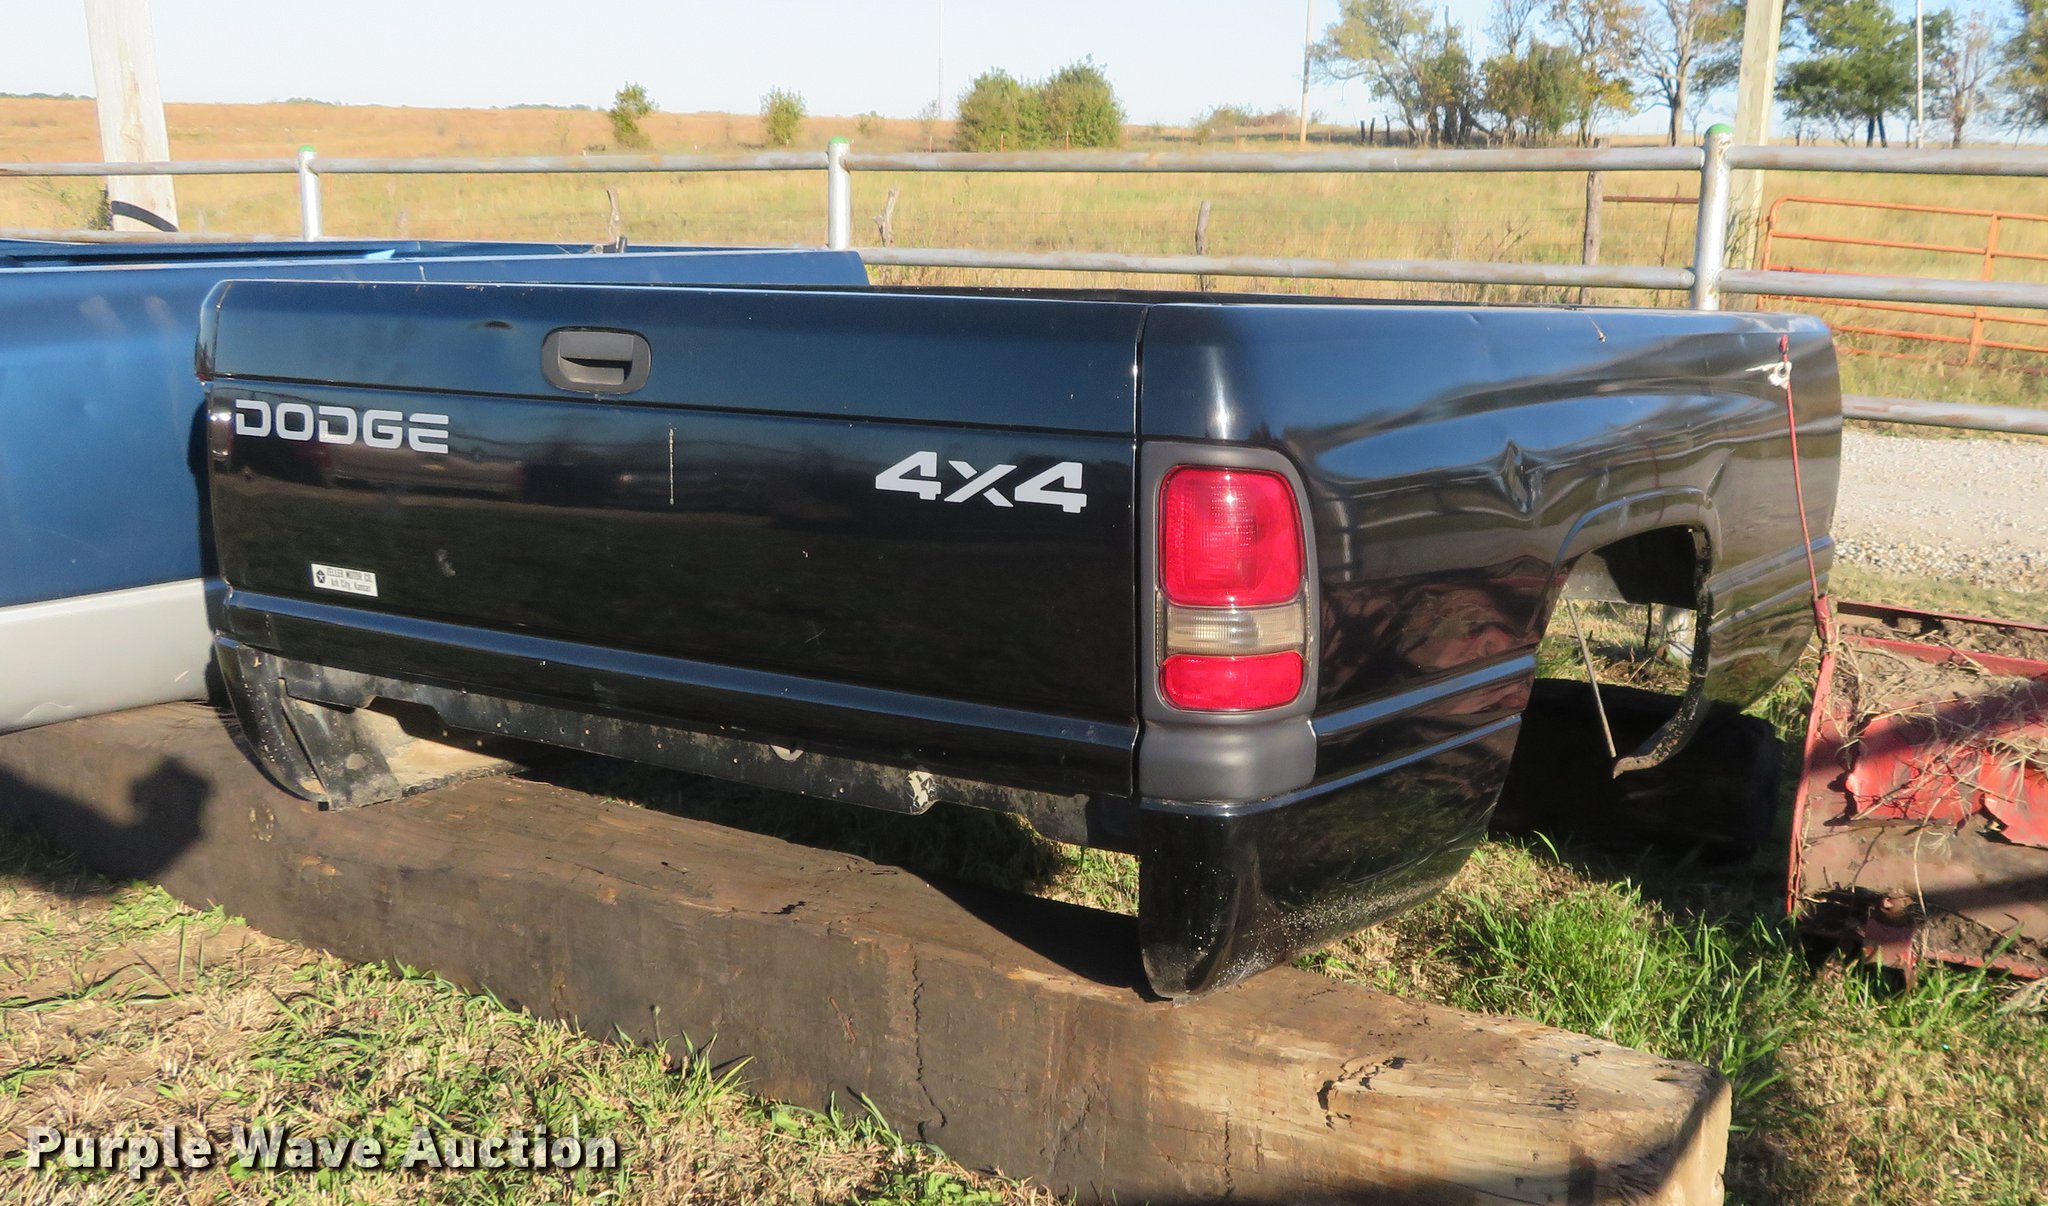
1448,272
1506,159
2016,420
1705,282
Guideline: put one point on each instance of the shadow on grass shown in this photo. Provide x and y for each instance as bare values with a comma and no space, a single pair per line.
66,846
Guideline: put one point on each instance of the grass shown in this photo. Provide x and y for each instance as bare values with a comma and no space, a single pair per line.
126,1012
1532,216
1847,1088
1855,582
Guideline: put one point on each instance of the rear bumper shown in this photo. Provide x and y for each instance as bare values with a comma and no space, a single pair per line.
1031,750
1229,890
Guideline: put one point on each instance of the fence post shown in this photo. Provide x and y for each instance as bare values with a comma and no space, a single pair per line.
838,197
309,196
1710,241
1589,243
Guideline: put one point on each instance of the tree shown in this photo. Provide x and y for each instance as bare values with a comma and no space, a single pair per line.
1450,90
1535,93
1857,66
1530,87
629,105
2024,79
1965,64
1384,43
1511,23
782,114
1674,52
1603,35
1408,59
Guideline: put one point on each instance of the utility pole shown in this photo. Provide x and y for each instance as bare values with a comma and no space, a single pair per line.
940,111
1308,33
131,112
1919,73
1762,24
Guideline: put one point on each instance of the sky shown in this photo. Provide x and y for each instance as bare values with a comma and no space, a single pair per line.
1169,59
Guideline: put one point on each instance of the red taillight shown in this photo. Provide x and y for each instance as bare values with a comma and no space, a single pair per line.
1231,684
1232,618
1228,538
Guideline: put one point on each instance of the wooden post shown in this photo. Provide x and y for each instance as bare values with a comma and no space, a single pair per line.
1589,244
885,222
131,112
1202,244
1308,33
1762,24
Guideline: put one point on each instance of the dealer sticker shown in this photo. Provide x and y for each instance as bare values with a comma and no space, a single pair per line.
347,581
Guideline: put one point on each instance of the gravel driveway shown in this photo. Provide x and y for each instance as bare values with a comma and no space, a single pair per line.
1966,510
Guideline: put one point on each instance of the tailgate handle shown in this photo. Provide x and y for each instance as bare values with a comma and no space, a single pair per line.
587,360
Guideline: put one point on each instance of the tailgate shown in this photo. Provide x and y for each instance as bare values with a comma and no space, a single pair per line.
898,524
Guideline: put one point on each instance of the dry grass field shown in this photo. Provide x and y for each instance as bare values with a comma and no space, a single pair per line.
1531,217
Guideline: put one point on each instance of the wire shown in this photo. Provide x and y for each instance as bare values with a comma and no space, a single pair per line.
1571,609
1821,615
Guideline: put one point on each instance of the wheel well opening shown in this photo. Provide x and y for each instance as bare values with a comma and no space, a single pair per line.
1618,742
1628,607
1659,566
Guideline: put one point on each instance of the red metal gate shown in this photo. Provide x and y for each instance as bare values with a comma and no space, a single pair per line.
1973,329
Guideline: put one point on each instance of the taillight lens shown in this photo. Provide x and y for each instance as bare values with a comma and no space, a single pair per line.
1232,609
1231,684
1228,538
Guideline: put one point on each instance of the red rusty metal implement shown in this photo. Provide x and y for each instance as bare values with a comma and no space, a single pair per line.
1921,825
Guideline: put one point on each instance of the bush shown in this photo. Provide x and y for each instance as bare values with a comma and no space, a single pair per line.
991,114
628,107
868,124
782,114
1076,107
1221,121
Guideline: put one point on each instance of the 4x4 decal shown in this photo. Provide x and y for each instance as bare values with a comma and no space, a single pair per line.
919,474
